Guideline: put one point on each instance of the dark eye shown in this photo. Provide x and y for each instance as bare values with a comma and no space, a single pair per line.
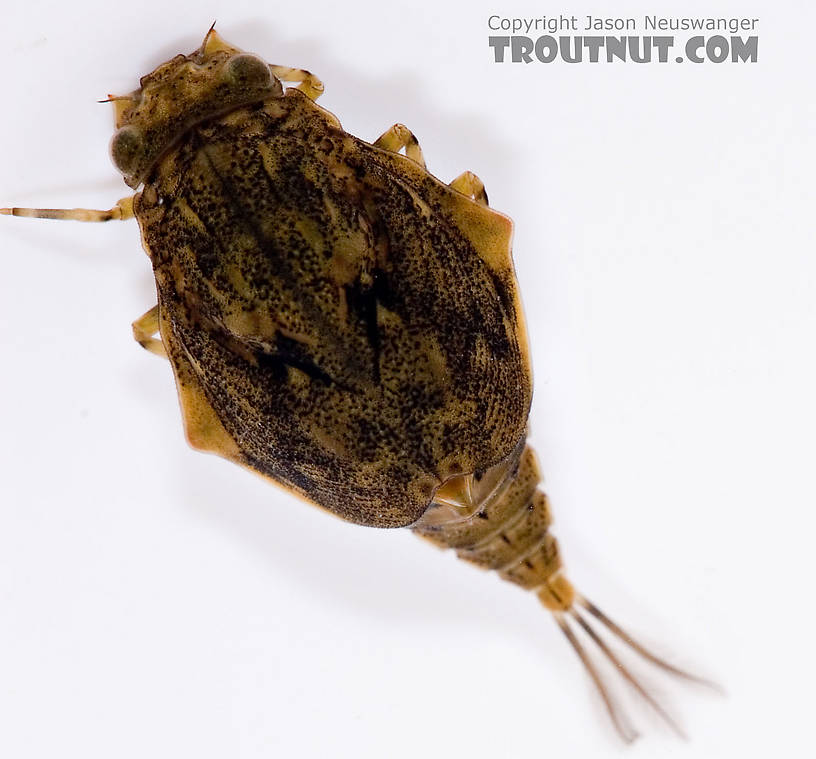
126,147
247,71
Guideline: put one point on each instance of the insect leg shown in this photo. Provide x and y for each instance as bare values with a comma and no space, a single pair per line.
469,184
399,137
309,85
145,327
121,211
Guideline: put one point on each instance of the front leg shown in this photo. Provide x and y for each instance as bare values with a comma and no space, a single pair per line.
309,85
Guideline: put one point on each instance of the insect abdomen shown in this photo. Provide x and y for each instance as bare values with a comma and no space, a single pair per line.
505,528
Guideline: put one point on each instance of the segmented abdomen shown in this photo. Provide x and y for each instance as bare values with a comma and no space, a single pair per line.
498,520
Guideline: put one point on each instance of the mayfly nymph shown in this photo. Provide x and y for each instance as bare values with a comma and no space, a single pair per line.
341,321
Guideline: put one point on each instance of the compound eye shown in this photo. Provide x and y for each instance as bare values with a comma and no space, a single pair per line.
247,72
126,147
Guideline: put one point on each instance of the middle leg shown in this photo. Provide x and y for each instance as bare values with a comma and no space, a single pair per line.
399,137
145,327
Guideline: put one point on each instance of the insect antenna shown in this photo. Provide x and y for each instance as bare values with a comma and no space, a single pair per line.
114,98
122,210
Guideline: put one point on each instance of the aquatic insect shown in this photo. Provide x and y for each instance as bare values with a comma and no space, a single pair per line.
339,320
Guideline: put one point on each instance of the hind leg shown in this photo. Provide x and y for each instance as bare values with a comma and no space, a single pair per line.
469,184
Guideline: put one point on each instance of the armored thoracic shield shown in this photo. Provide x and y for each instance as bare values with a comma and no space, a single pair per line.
338,319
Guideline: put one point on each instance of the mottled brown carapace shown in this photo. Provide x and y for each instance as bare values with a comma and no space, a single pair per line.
338,319
352,321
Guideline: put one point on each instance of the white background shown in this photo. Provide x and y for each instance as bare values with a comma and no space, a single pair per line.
159,602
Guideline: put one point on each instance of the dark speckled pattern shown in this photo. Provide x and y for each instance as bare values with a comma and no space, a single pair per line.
352,322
